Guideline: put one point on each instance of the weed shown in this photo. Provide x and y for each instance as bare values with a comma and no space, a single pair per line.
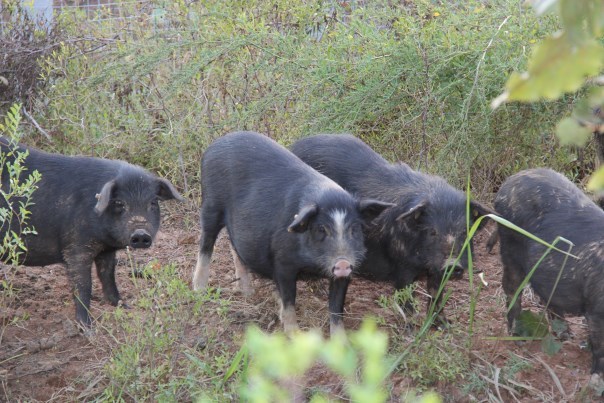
155,351
436,358
18,186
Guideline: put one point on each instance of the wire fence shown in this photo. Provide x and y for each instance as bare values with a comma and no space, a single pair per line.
94,11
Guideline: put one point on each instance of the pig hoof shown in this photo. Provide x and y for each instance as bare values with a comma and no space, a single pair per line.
89,333
124,305
441,323
564,336
201,343
596,383
246,292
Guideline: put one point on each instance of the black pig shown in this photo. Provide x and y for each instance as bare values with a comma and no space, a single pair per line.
548,205
283,218
421,235
85,209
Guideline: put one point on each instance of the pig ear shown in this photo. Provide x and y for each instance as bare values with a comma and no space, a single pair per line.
104,197
413,213
300,223
167,191
371,208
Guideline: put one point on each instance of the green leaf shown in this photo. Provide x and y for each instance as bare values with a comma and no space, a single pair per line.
550,345
596,182
585,110
573,13
582,19
559,326
570,132
557,66
530,324
240,361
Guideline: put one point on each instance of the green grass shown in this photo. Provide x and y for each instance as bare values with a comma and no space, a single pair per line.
164,350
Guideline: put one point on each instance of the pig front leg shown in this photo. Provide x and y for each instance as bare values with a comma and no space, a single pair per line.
433,283
286,284
242,274
211,224
512,279
337,295
79,268
105,268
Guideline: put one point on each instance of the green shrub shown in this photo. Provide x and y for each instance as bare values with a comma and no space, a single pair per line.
18,186
413,80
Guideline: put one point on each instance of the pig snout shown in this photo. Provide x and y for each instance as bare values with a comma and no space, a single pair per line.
140,239
458,269
342,268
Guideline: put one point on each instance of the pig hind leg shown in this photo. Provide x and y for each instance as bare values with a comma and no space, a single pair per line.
105,269
211,224
242,273
595,322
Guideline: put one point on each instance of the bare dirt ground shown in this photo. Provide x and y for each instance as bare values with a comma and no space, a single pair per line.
42,353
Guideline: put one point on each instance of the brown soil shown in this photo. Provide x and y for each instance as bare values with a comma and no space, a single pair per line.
42,353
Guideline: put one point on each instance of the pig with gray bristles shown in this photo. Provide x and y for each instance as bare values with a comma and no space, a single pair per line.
284,220
548,205
421,235
84,210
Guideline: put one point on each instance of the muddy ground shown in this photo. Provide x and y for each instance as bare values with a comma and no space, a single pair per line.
42,353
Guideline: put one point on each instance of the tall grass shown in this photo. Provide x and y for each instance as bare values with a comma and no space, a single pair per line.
414,80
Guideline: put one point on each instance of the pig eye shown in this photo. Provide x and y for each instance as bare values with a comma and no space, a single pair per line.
118,206
433,232
321,232
154,205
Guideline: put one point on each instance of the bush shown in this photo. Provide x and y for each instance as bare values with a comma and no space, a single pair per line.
413,80
24,42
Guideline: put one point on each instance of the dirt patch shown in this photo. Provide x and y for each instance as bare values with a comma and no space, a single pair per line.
43,354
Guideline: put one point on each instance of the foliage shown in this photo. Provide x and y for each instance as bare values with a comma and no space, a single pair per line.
411,79
275,363
24,41
18,186
564,62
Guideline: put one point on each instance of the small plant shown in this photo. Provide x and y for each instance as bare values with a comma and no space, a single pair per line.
274,363
18,186
156,350
17,189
